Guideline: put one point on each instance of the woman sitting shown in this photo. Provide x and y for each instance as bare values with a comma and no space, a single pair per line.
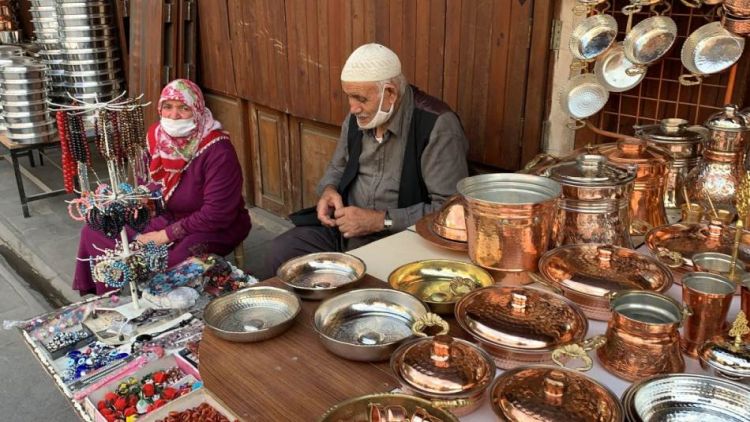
201,181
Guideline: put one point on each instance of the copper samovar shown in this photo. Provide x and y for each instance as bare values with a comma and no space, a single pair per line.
684,144
714,181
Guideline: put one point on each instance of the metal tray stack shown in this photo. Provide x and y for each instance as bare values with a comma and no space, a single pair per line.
88,39
23,84
79,45
47,32
7,53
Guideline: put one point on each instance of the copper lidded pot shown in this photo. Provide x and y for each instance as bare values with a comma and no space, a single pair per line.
549,394
684,144
525,325
509,218
719,174
643,337
728,356
651,165
453,374
588,273
595,201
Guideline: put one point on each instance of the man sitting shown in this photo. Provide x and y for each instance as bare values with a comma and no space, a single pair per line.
400,155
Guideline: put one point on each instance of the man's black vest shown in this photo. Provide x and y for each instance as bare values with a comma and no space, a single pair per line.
412,189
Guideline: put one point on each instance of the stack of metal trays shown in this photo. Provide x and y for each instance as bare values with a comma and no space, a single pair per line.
47,32
7,53
88,40
23,93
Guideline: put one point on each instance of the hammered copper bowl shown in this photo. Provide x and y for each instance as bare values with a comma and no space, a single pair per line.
252,314
450,221
367,324
321,275
439,283
687,397
546,393
358,409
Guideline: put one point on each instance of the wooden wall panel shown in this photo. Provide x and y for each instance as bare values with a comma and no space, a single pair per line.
151,52
216,66
315,144
273,187
259,51
233,115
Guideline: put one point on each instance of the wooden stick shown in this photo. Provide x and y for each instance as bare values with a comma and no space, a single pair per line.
687,198
711,203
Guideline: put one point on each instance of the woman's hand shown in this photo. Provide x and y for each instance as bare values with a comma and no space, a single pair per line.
158,237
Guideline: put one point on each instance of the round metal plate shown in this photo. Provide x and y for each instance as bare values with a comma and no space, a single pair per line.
610,71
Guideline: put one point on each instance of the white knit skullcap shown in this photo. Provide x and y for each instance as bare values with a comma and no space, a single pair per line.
371,63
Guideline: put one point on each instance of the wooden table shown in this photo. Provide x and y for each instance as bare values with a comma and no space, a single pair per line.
17,150
291,377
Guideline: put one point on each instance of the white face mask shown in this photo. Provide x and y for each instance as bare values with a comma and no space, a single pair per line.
380,117
179,128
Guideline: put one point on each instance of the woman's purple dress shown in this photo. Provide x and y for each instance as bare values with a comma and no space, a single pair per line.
206,214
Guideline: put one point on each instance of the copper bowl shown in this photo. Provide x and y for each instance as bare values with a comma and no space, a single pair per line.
439,283
359,409
450,222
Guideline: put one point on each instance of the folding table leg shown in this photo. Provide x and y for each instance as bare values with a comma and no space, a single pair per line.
19,184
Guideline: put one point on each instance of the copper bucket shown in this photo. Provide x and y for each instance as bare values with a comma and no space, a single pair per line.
509,219
643,337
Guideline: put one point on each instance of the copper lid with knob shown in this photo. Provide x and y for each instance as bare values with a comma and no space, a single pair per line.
588,273
728,356
545,393
443,366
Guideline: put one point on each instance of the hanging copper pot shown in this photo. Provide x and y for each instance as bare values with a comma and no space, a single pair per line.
643,337
548,394
596,200
588,273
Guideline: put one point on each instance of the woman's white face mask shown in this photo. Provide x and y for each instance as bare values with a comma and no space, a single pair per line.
179,128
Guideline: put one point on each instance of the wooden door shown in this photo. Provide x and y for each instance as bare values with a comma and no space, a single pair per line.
273,184
312,147
151,50
233,113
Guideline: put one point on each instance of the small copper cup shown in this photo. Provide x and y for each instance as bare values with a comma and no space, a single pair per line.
725,216
708,296
692,213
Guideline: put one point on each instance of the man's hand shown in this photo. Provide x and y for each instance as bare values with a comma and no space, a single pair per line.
330,202
158,237
355,221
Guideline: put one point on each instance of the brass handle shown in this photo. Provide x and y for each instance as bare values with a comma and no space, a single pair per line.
686,312
669,258
692,3
460,286
576,124
450,404
541,280
636,70
640,227
578,351
429,320
690,79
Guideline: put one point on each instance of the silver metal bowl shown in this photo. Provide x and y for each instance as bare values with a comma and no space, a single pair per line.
21,106
252,314
17,85
84,20
367,324
321,275
90,54
23,95
89,43
91,65
32,138
687,397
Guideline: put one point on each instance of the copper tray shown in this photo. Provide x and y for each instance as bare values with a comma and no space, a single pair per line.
424,229
690,239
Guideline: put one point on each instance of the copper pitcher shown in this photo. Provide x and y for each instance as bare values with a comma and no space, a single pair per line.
509,219
643,337
596,201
